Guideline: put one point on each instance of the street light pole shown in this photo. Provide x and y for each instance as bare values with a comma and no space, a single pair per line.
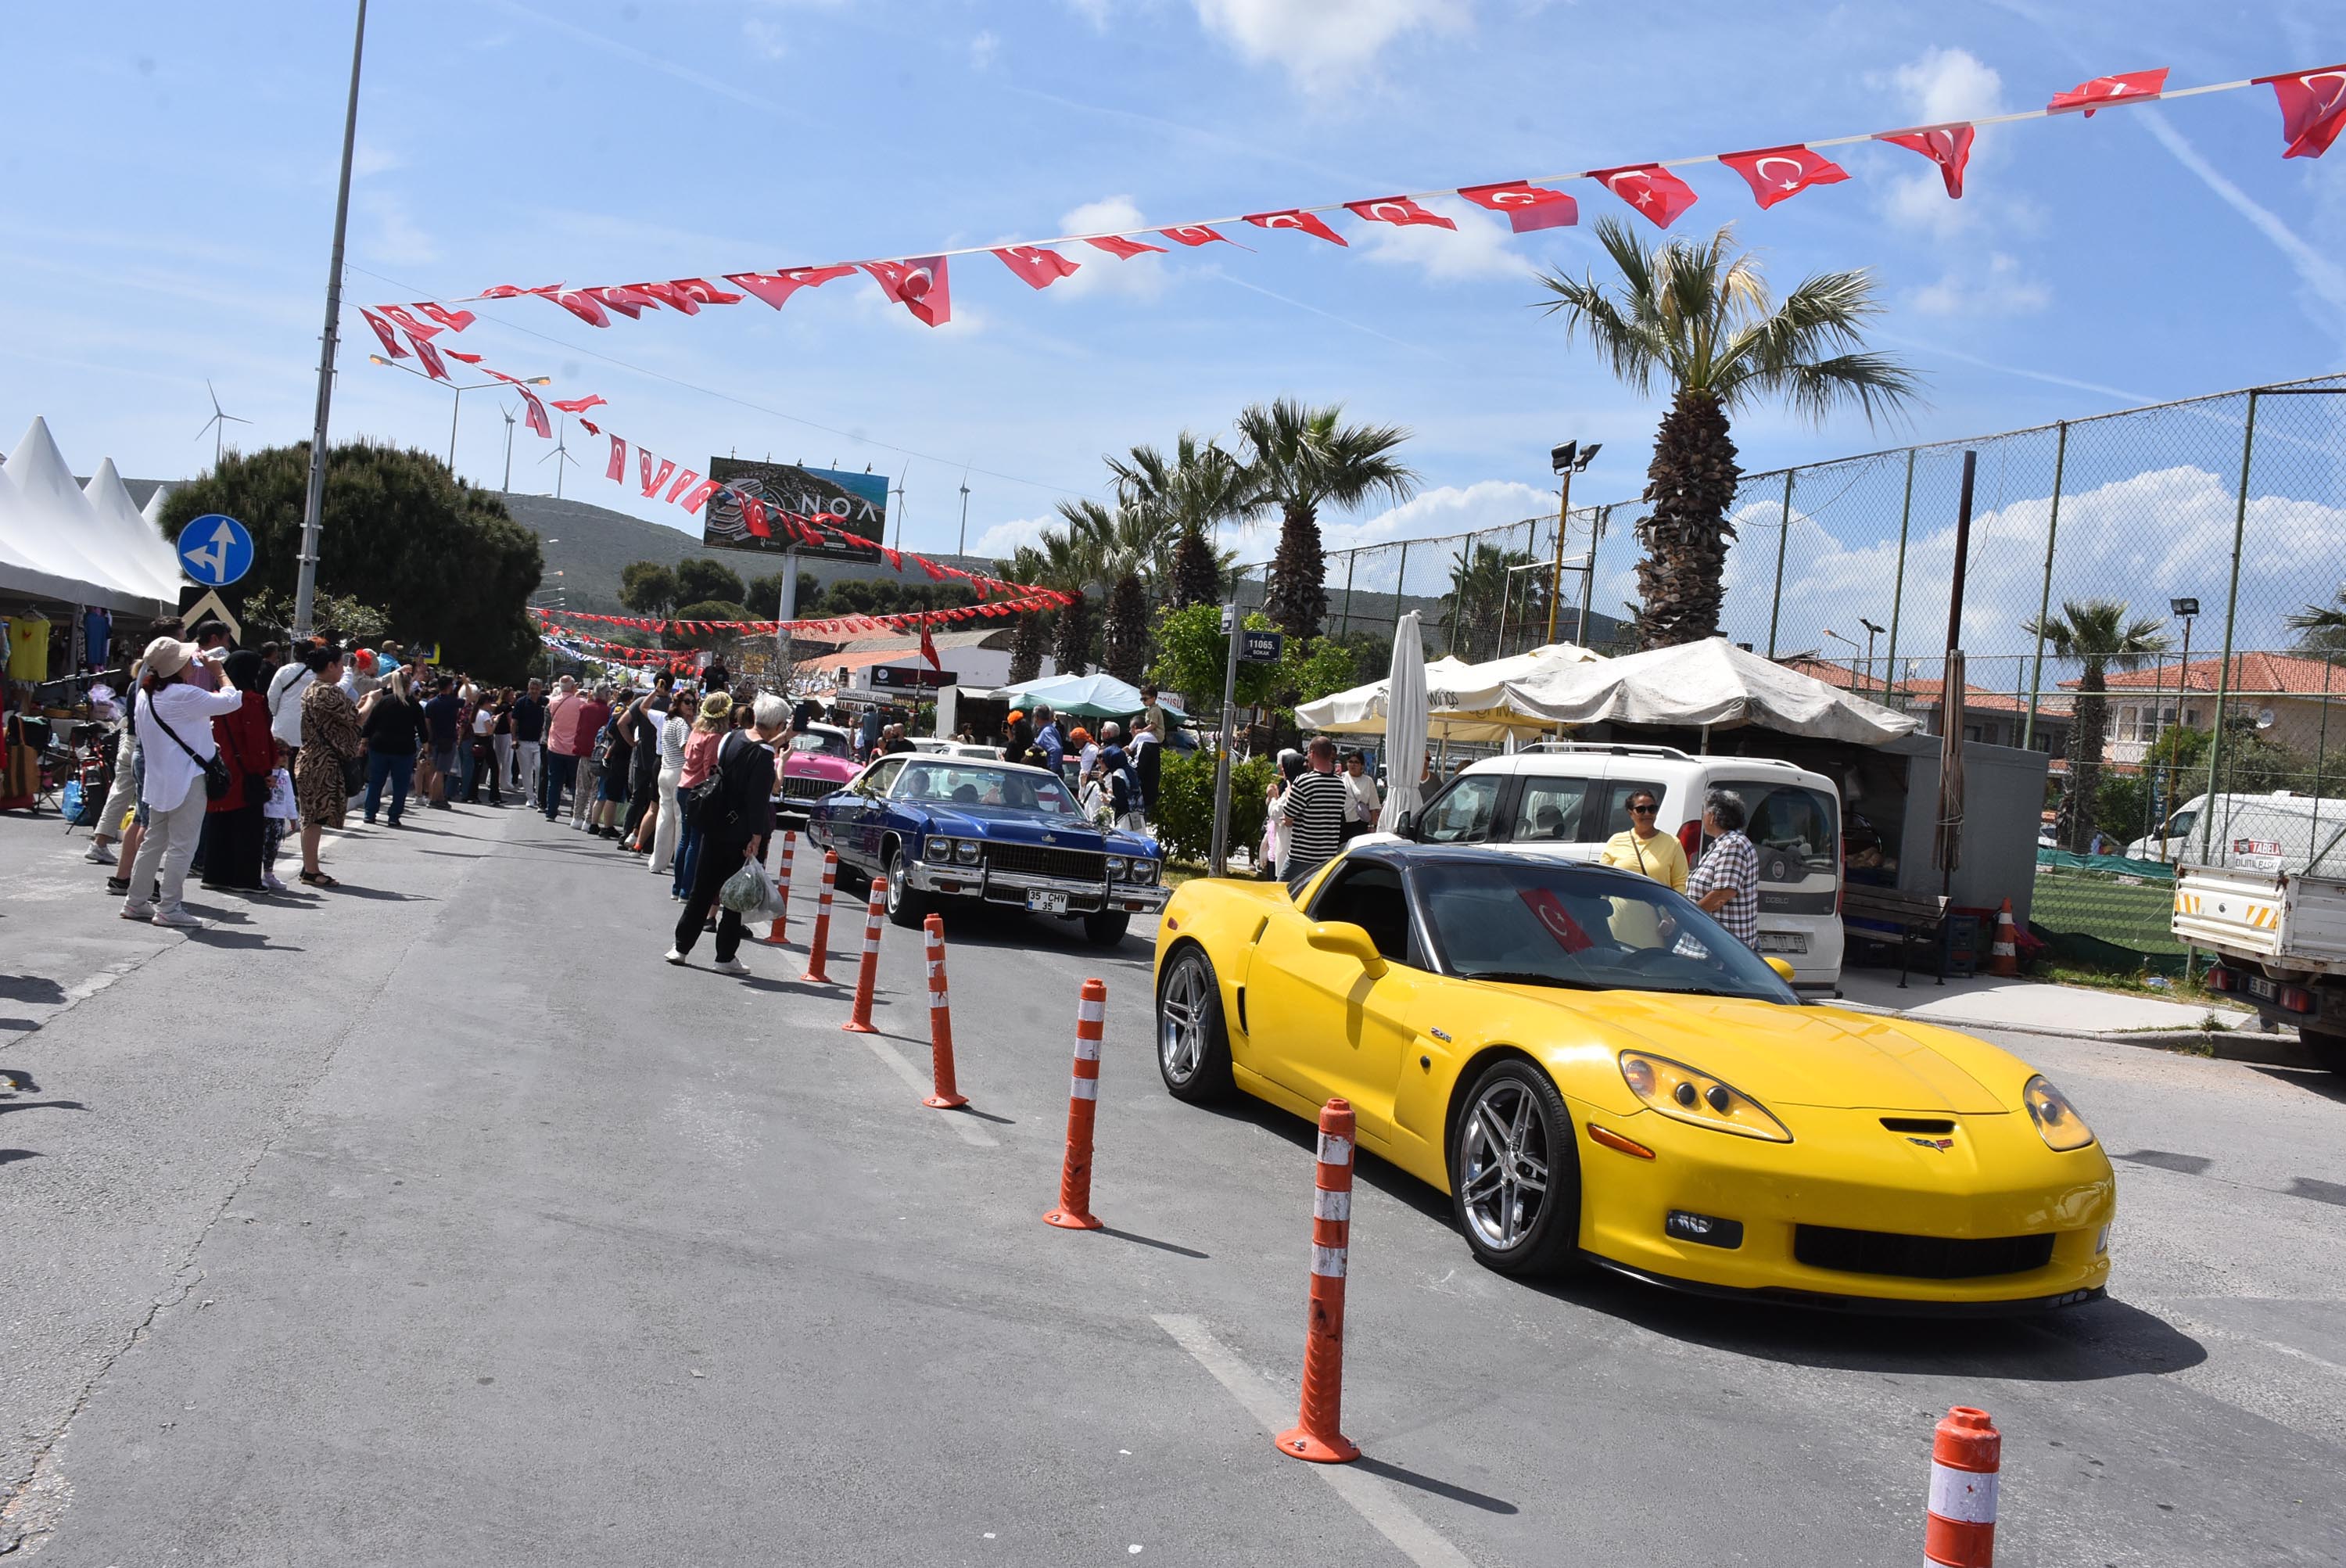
1569,459
305,587
1233,621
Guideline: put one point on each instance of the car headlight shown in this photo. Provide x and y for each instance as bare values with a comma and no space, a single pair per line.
939,849
966,852
1688,1095
1115,868
1144,870
2058,1122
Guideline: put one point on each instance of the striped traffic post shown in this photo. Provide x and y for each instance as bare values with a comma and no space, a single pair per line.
1318,1434
867,976
773,937
1075,1210
943,1092
1966,1452
822,937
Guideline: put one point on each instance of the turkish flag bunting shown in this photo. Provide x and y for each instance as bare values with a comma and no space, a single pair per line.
618,473
1193,234
429,357
461,354
1650,188
629,302
1397,209
2125,84
1527,207
1123,250
455,320
895,558
931,568
685,480
579,404
1774,173
511,291
2312,109
698,494
668,294
399,315
582,305
1299,220
653,483
1039,267
1949,146
383,329
919,283
774,287
703,290
928,647
753,518
588,425
538,420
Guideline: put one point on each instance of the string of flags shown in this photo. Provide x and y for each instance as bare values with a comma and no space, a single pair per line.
2312,106
830,627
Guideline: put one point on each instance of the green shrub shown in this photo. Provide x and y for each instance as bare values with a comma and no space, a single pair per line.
1185,804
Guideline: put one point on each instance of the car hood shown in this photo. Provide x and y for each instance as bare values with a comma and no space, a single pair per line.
1822,1057
1003,824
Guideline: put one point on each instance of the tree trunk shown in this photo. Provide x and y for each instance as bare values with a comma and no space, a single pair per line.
2089,724
1125,654
1197,576
1297,601
1690,483
1071,645
1027,649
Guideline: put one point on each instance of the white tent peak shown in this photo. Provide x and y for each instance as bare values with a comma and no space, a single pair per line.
127,534
55,542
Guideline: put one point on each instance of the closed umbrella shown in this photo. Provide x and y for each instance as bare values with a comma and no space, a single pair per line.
1947,842
1404,724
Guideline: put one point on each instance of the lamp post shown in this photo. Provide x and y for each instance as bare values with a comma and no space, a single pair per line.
313,502
2185,610
1852,646
1569,459
1872,632
458,404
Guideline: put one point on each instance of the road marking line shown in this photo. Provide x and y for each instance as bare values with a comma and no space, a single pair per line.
1371,1498
971,1133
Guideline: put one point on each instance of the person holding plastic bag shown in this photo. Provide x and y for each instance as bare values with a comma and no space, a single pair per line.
733,818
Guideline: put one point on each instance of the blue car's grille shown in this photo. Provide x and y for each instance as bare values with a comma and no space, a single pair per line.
1036,860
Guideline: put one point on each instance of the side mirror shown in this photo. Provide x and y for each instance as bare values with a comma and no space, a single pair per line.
1351,941
1406,826
1784,970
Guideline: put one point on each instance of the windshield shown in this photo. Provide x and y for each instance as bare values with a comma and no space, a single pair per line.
818,743
956,783
1551,923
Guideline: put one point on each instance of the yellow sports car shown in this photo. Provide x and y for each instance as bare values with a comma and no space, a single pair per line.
1593,1068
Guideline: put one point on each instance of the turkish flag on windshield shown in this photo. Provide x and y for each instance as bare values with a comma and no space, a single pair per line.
1556,921
1774,173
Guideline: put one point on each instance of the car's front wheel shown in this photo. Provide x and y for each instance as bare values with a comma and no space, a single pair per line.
1107,928
1515,1172
907,905
1193,1049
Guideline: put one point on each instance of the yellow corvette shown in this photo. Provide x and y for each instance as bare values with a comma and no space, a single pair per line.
1593,1069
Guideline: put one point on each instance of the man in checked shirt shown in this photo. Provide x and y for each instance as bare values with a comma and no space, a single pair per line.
1726,883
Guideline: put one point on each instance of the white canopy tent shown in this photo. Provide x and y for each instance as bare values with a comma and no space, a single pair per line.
1705,685
1466,703
58,543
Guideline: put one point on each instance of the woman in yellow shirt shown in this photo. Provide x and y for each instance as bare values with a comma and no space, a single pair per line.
1645,848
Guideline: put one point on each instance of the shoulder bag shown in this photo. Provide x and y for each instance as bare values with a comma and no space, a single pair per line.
217,779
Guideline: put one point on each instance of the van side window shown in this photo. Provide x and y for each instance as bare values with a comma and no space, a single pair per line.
1548,811
1618,793
1462,813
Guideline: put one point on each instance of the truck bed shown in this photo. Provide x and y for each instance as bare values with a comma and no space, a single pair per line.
2287,920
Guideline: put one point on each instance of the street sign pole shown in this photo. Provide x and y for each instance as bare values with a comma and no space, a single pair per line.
1220,861
305,588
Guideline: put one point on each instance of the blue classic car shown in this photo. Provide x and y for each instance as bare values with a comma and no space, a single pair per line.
938,828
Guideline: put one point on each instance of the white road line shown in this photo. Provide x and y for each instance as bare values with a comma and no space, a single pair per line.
1371,1498
966,1126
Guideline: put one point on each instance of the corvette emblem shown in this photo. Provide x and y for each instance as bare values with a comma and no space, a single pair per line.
1940,1144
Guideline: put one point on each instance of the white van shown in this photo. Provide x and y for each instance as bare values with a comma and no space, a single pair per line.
1567,797
2283,831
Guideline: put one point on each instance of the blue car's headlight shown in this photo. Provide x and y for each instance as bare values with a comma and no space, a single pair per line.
938,849
1115,868
1144,870
966,852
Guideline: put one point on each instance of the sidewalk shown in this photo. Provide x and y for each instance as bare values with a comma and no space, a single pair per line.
2041,1007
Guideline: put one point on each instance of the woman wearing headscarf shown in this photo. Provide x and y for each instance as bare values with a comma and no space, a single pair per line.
233,826
174,714
330,734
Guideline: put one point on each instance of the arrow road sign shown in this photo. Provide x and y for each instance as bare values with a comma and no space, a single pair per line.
215,550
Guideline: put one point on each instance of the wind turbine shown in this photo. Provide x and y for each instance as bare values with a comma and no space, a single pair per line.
509,425
218,423
561,451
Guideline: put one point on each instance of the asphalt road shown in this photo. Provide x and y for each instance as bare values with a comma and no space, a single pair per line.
437,1220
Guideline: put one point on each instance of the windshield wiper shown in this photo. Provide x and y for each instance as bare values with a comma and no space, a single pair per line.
1528,977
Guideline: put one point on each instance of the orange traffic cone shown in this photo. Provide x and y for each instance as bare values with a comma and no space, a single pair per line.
867,977
2004,953
1075,1210
1959,1523
1318,1432
944,1095
773,937
821,937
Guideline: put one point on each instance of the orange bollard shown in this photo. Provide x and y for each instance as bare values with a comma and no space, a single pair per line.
822,937
1966,1453
1318,1434
773,937
1075,1210
860,1023
945,1094
2004,953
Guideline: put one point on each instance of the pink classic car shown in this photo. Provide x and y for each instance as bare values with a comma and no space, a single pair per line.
821,759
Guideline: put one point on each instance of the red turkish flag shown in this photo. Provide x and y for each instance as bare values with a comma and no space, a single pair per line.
1949,146
1124,250
774,287
1774,173
2101,90
618,473
1527,207
429,357
668,294
699,494
1192,234
461,354
590,427
753,518
511,291
653,483
703,290
919,283
1295,218
1399,211
2312,109
538,420
629,302
1650,188
400,316
383,329
582,305
1038,267
455,320
579,405
685,480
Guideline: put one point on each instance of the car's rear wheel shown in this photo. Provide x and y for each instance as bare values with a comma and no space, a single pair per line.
907,905
1193,1048
1107,928
1515,1172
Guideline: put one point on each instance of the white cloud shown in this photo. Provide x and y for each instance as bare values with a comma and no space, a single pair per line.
2001,288
1002,539
982,50
765,38
1942,85
1479,248
398,239
2323,279
1323,45
1139,277
1093,11
373,157
1431,514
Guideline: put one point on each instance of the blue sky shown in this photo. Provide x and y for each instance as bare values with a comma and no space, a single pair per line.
169,171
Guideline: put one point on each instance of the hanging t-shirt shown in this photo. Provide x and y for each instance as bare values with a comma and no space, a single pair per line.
28,648
96,637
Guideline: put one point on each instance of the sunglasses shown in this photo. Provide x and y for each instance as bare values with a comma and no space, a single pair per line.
1644,811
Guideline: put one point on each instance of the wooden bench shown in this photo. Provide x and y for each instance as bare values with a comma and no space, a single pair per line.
1922,915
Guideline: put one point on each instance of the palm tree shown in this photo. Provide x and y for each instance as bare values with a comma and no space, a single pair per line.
1026,648
2324,629
1475,610
1200,488
1299,460
1700,315
2097,636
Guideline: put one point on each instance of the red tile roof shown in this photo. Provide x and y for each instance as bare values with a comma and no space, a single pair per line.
1920,691
2259,673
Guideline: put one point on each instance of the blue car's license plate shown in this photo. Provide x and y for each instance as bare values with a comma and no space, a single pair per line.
1047,903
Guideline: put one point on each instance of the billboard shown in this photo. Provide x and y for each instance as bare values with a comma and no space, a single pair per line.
860,499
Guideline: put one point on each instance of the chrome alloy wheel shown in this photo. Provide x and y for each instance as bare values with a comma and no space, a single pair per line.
1503,1164
898,881
1182,1014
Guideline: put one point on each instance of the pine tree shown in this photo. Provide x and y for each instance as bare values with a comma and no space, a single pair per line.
1071,645
1026,648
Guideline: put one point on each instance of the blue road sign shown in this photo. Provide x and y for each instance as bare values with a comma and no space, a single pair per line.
215,550
1260,647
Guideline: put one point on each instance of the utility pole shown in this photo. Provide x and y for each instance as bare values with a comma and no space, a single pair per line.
305,589
1231,625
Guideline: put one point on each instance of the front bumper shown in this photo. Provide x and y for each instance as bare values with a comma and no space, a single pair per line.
980,881
1845,1171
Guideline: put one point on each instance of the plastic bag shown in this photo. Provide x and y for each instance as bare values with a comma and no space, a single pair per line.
749,891
280,804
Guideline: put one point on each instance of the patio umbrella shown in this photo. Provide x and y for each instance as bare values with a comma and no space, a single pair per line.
1404,723
1947,842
